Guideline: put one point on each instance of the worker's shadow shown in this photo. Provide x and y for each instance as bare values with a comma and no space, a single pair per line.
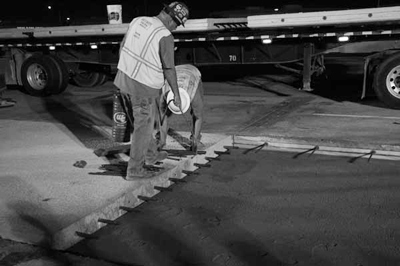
29,222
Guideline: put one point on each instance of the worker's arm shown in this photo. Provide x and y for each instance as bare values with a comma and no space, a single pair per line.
168,64
197,116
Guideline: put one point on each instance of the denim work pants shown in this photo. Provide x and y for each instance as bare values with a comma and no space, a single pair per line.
143,145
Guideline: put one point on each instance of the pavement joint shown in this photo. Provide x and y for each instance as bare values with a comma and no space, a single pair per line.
249,143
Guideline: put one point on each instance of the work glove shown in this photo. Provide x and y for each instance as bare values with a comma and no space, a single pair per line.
193,147
194,143
178,102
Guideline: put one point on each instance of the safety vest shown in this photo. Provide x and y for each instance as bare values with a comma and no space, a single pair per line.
139,57
188,79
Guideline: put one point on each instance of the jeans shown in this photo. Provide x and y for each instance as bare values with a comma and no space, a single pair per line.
143,111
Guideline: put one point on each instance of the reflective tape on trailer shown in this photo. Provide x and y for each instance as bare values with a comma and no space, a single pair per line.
337,34
202,39
224,38
293,36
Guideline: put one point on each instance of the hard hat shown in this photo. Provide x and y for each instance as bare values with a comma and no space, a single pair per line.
178,11
185,101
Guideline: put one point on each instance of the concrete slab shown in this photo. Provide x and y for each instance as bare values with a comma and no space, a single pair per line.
339,124
45,200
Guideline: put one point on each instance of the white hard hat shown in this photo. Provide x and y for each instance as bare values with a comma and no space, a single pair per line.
185,101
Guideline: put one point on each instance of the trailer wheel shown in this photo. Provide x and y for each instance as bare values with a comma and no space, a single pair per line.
103,79
387,81
88,79
39,75
63,74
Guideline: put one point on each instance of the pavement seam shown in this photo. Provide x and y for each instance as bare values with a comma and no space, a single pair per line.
275,114
275,144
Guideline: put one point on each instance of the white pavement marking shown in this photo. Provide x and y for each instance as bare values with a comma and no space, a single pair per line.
359,116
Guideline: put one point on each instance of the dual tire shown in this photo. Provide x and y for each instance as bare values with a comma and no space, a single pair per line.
44,75
89,79
387,81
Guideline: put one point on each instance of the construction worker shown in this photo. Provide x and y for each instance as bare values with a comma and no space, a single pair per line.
146,59
189,79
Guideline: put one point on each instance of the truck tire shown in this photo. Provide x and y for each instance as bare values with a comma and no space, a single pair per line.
63,74
387,81
103,79
39,75
88,79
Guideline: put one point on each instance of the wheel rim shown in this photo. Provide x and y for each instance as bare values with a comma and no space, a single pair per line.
393,82
37,77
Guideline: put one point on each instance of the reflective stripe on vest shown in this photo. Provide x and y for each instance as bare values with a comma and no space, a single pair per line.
144,52
140,60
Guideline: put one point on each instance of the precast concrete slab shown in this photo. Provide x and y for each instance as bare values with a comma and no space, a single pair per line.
45,200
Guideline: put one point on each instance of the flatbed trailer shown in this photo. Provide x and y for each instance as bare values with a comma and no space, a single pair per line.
45,60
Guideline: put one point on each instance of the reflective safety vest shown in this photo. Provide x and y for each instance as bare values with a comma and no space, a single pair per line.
188,79
139,57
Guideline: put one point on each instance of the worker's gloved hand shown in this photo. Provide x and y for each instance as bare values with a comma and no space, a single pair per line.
178,102
194,143
194,147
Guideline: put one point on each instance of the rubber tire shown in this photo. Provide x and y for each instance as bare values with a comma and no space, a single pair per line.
379,85
102,79
92,80
46,68
64,75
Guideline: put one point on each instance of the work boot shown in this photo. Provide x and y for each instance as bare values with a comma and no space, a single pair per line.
159,157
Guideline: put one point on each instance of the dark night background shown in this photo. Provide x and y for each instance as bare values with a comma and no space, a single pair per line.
36,13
